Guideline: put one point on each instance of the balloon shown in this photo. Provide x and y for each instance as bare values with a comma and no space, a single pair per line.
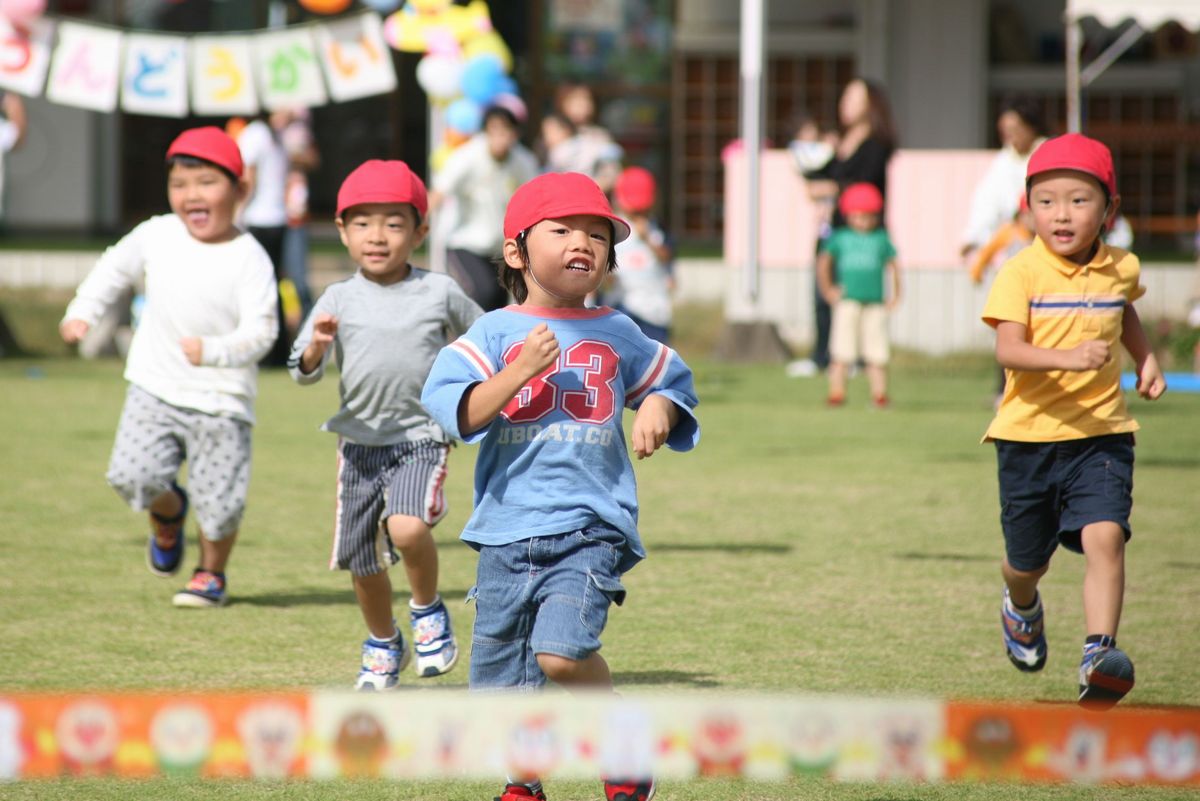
454,138
481,78
383,6
464,116
437,159
489,44
325,6
440,76
22,13
430,6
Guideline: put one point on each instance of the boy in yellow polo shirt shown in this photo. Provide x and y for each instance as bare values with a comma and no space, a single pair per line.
1064,439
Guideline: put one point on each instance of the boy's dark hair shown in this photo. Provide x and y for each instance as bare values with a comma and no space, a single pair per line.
195,161
1028,109
500,113
514,280
563,120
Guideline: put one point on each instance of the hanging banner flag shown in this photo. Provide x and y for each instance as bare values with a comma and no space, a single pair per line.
289,70
25,58
356,58
86,67
223,77
155,76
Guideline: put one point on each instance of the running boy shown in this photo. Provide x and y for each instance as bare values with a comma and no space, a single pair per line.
542,385
863,258
1064,439
642,288
209,316
386,324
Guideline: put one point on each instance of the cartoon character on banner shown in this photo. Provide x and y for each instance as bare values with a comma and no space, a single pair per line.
13,752
627,743
991,742
361,745
1174,757
272,734
904,747
720,744
182,737
534,747
88,736
814,744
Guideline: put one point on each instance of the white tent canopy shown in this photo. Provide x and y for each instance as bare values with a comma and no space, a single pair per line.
1146,16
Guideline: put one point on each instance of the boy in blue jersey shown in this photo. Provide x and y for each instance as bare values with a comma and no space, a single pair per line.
542,385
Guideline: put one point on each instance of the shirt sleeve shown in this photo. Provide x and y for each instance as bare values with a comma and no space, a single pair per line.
1008,300
657,369
117,269
327,303
460,365
450,177
258,321
889,248
461,311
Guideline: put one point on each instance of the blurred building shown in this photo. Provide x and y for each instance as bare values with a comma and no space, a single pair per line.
665,73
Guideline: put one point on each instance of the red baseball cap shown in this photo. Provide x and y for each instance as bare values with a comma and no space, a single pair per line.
861,197
1074,152
635,189
378,181
211,144
559,194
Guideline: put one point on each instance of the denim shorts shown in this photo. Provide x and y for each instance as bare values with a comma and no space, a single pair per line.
1050,490
545,595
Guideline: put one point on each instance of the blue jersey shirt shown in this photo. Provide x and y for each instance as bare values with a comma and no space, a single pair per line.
554,460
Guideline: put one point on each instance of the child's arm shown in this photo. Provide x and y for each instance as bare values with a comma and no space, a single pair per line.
653,423
257,323
893,271
115,271
1150,381
983,257
830,291
324,330
483,401
1013,352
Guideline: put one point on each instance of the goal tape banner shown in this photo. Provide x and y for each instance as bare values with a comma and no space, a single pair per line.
456,735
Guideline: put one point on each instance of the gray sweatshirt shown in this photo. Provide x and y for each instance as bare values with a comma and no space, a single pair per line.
387,339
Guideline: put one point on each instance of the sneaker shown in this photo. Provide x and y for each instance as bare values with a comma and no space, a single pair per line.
381,664
881,401
164,560
433,640
629,791
516,792
206,590
1105,675
834,401
1024,638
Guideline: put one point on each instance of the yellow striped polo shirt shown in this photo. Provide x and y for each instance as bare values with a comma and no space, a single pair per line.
1062,304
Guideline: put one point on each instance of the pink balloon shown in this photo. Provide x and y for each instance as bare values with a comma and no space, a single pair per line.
22,12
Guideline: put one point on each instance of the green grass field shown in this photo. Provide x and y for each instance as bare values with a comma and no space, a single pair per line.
843,551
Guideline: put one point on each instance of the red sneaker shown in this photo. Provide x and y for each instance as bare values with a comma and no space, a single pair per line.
835,400
629,791
519,792
881,401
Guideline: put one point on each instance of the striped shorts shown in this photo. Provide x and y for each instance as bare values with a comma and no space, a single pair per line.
375,482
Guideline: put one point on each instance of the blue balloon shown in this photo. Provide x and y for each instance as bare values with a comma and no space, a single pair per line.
383,6
482,78
508,86
464,115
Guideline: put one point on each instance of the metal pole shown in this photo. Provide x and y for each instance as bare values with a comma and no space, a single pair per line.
437,232
751,131
1074,84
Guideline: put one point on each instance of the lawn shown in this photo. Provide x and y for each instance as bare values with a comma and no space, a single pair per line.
798,548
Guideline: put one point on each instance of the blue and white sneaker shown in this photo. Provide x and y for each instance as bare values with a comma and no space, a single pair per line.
382,663
165,561
1024,637
433,640
1105,675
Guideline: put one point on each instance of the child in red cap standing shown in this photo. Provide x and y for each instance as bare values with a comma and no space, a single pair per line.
1064,439
386,324
642,287
209,316
861,256
541,385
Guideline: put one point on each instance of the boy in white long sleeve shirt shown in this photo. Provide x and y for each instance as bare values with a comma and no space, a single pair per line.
209,316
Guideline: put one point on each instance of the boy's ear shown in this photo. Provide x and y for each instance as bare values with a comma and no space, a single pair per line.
420,233
1114,205
341,226
512,255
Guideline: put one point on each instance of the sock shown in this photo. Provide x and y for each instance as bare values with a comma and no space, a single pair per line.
1026,611
437,599
1096,641
395,635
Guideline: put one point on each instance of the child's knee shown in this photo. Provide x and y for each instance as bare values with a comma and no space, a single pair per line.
406,531
1103,539
559,669
1031,574
137,490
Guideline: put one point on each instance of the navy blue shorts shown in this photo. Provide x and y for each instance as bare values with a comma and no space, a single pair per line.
1050,490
